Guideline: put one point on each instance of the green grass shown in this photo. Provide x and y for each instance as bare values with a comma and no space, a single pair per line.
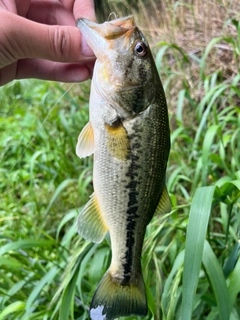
190,257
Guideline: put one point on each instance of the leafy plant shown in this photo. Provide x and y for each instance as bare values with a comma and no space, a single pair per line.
190,256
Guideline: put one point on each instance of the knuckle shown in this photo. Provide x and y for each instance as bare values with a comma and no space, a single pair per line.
61,43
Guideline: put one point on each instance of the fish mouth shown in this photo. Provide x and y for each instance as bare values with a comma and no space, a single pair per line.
99,36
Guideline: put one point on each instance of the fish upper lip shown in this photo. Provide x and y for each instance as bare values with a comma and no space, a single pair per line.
99,36
106,30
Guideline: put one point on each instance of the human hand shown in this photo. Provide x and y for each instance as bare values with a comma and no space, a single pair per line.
38,39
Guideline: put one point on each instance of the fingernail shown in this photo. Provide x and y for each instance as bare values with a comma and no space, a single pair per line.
86,50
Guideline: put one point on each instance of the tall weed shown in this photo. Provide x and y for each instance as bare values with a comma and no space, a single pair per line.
191,256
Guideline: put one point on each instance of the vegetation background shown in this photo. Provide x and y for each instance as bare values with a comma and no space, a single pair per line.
191,256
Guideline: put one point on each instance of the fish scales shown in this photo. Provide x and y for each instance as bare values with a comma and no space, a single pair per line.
128,133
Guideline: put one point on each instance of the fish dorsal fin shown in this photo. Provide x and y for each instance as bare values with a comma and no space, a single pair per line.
164,205
90,223
117,141
85,144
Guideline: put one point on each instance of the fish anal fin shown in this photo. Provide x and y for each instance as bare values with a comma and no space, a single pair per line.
85,144
90,223
112,299
117,141
164,204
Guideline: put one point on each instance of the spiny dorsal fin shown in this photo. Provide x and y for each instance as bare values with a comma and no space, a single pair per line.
85,144
117,141
164,205
90,223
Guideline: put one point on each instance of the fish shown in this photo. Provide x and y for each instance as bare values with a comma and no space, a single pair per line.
128,134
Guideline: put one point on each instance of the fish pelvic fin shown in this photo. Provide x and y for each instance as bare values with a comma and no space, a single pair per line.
112,299
85,144
164,204
90,222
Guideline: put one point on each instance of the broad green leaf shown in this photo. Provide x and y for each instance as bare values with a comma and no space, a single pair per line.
196,233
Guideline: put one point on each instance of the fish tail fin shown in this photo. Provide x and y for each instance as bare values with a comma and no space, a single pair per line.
112,299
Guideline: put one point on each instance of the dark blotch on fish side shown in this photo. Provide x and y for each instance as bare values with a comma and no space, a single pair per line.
131,214
132,173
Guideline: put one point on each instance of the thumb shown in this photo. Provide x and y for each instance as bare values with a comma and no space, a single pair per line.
21,38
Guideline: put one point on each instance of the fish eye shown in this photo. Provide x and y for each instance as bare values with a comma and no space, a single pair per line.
140,49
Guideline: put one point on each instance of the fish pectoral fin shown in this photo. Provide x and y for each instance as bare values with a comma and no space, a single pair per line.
164,204
90,223
117,141
85,144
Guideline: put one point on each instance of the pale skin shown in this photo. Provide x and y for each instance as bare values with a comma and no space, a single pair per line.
39,39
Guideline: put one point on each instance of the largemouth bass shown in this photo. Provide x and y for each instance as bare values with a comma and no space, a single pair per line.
128,133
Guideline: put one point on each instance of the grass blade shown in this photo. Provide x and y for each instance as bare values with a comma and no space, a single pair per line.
13,307
10,262
232,260
59,189
196,232
26,244
67,298
169,282
216,277
48,277
234,284
70,281
206,150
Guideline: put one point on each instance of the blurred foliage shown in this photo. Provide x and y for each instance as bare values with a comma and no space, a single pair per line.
46,270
